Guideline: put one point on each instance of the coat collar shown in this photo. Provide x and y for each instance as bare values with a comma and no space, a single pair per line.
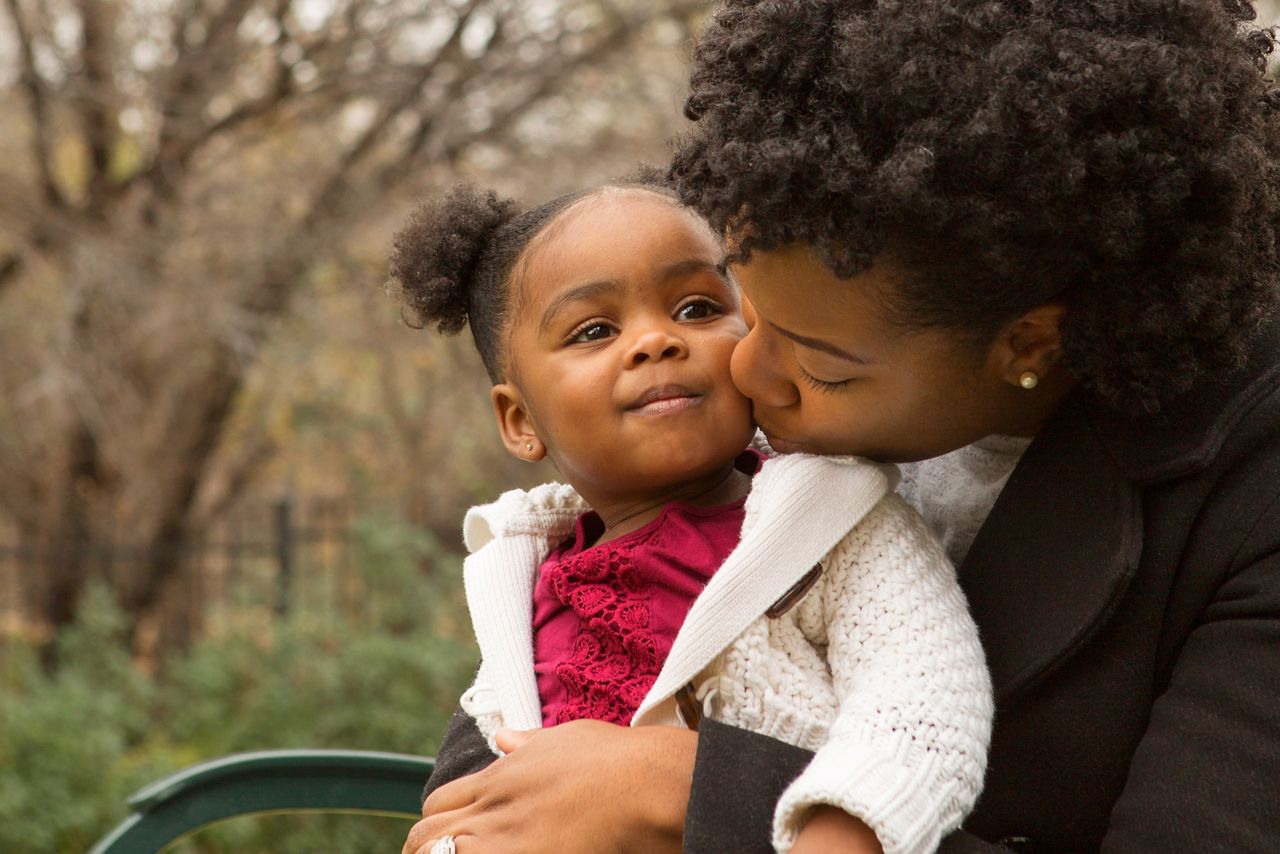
1064,538
1186,435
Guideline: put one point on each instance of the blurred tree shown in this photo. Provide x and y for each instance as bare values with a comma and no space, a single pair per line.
173,174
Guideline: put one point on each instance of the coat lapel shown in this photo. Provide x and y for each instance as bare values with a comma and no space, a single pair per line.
1054,556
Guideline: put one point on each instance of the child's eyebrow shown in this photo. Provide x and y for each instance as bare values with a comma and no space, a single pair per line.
590,290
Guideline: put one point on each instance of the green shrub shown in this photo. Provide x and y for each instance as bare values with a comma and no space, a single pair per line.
75,744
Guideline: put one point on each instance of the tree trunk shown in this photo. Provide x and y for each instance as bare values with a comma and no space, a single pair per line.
64,559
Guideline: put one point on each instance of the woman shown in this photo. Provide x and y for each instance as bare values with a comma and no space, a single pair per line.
1030,245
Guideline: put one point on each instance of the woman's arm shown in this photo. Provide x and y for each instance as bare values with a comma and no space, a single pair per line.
738,778
740,817
463,751
1206,775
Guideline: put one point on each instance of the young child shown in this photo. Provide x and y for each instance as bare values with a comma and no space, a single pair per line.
680,573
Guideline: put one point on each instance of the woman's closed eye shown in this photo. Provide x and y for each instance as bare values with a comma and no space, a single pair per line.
821,385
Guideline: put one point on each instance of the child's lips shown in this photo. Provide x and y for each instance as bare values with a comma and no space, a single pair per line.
663,399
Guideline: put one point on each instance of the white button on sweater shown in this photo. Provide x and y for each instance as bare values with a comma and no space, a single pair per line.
878,669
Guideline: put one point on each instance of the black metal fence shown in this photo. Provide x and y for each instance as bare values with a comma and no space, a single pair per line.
268,555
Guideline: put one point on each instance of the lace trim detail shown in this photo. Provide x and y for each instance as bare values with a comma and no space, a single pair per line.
614,661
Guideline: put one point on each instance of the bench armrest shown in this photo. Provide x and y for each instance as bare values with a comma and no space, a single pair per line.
268,781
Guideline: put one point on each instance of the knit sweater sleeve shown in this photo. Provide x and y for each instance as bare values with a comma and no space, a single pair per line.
907,751
507,540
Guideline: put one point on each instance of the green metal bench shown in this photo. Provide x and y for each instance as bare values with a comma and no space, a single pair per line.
268,781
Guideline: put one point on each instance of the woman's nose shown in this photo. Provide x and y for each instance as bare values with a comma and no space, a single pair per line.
656,344
748,313
754,367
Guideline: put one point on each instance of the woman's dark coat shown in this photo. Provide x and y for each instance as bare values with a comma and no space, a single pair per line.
1127,590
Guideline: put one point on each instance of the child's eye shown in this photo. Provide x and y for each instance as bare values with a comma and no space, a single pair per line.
697,310
592,331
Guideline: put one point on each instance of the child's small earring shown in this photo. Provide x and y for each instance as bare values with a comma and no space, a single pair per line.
1029,380
528,446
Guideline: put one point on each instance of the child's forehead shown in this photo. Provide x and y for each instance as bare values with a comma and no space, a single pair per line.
612,233
618,206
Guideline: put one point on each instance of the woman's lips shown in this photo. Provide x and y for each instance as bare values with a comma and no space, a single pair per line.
779,443
665,399
783,446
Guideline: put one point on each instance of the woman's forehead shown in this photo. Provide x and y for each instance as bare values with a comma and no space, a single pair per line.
792,283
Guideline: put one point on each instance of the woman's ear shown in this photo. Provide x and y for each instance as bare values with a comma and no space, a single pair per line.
1029,347
514,424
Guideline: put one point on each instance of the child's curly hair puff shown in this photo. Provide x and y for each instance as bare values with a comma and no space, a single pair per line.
439,267
457,259
1119,155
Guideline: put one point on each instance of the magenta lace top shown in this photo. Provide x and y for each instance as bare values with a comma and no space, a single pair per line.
604,617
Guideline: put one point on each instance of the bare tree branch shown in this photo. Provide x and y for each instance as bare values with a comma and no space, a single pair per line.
22,495
40,228
200,68
41,148
336,185
11,264
97,116
548,84
237,475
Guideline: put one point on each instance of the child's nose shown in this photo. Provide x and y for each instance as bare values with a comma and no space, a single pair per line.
656,344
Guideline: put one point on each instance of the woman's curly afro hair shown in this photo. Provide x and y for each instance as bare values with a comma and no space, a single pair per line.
1118,155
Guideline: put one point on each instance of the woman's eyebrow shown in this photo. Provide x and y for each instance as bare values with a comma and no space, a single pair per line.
587,291
822,346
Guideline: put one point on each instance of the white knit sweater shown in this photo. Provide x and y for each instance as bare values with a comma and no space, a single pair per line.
878,669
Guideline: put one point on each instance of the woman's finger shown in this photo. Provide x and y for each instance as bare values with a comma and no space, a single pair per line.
426,837
456,794
420,839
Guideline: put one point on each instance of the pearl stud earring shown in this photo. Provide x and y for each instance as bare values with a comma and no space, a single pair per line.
1029,380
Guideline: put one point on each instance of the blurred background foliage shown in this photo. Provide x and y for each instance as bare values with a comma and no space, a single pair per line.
196,199
78,740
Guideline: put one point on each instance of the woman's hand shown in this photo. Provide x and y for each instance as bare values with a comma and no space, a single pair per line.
584,786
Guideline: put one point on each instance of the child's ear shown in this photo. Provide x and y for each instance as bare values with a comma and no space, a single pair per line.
514,424
1030,346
